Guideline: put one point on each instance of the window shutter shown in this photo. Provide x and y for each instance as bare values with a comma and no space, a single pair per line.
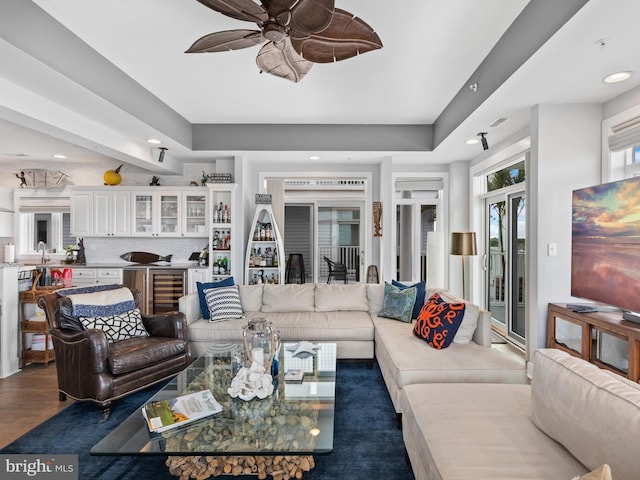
625,135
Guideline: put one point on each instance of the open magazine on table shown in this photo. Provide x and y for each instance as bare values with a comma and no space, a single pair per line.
163,415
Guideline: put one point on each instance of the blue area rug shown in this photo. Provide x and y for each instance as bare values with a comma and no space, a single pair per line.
367,445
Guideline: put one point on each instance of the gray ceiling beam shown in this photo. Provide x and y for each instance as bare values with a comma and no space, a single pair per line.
312,137
30,29
535,25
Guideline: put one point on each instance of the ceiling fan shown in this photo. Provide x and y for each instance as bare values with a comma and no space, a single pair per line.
298,33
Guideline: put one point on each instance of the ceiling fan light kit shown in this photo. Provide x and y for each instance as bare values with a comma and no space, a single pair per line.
298,33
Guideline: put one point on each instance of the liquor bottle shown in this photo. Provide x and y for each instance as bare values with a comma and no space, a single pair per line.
220,213
225,263
227,240
215,243
273,278
252,259
215,213
225,214
221,266
263,233
275,258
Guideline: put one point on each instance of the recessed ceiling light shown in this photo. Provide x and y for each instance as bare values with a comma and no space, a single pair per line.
472,141
314,157
59,155
617,77
154,141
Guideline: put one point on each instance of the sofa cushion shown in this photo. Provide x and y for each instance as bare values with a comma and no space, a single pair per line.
288,298
117,327
421,288
438,322
251,297
405,359
479,432
594,413
227,282
398,304
136,353
375,296
223,303
334,297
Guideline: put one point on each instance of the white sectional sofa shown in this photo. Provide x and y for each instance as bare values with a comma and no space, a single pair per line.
573,418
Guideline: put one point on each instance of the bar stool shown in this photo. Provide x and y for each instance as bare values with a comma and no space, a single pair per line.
372,274
294,272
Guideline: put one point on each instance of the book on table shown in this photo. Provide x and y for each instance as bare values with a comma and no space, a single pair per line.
163,415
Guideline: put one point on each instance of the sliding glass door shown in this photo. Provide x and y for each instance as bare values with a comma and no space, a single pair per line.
505,264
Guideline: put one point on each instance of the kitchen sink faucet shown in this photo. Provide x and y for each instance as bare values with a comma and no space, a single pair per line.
41,245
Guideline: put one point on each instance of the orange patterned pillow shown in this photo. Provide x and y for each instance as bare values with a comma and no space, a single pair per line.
439,321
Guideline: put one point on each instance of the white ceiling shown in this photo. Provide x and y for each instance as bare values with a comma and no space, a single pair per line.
431,49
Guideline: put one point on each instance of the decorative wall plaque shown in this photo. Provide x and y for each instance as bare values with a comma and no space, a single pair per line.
263,199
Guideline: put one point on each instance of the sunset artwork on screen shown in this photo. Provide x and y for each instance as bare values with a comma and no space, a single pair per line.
605,259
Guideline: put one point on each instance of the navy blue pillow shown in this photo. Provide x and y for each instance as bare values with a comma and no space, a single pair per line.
227,282
421,291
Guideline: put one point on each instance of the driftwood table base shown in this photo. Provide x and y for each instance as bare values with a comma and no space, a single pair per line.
280,467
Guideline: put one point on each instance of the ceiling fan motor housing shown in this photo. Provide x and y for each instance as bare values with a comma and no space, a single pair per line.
273,32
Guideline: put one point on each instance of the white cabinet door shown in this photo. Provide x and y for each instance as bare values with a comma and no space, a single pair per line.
111,213
82,213
194,214
196,275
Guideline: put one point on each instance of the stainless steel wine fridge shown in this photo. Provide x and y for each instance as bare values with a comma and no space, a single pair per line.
161,288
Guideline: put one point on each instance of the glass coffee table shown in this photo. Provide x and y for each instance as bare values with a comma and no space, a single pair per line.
280,433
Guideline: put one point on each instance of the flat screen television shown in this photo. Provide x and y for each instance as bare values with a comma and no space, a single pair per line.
605,246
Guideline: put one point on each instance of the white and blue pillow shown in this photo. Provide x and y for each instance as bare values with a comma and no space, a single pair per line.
223,303
227,282
117,327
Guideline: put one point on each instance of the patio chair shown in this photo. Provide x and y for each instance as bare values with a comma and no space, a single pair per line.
337,270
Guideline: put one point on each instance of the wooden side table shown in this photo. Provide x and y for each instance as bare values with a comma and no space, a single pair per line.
590,330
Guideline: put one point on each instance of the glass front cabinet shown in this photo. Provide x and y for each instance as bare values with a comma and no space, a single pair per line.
167,213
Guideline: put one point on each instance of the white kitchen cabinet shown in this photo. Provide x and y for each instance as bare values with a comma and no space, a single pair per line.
194,218
81,204
9,322
83,277
111,213
196,275
169,212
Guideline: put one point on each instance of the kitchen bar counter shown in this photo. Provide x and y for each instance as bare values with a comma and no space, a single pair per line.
127,265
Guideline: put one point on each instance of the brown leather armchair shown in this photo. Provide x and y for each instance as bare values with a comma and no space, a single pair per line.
92,369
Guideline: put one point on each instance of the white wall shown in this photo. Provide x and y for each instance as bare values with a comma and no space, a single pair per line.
565,155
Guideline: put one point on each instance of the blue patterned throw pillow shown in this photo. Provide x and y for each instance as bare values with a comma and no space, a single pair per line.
224,303
117,327
397,303
421,291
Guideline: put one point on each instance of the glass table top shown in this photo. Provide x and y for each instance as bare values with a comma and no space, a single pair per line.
297,419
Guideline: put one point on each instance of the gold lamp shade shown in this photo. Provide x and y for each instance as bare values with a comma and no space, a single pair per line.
463,243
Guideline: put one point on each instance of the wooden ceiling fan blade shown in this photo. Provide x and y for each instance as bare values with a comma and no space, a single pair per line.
226,40
346,37
311,16
282,61
239,9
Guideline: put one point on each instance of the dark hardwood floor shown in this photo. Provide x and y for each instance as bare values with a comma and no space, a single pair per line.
29,397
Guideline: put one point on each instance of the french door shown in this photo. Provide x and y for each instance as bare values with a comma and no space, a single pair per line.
326,229
505,279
